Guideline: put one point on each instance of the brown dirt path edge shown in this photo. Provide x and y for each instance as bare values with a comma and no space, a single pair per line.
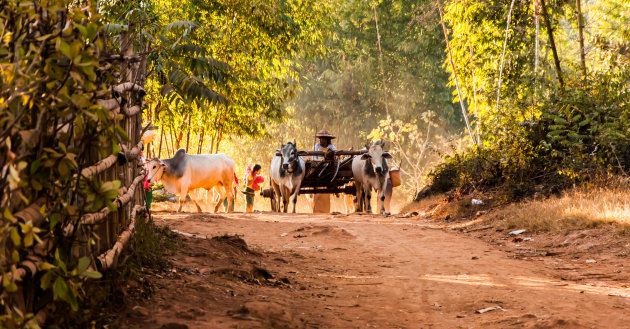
364,272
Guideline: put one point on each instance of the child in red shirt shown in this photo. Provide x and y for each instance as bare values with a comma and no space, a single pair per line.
252,179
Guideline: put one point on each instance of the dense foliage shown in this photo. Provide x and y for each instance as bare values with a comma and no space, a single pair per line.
221,68
552,126
50,128
350,92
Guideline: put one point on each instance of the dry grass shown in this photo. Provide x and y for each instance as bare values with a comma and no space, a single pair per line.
422,205
575,209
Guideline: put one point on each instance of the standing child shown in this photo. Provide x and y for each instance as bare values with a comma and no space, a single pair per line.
147,187
252,179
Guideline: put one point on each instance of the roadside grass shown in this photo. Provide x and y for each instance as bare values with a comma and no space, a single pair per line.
423,206
579,208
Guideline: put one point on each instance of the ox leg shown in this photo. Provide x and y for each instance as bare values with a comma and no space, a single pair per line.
359,197
183,192
221,197
229,193
276,196
195,202
295,196
368,199
381,194
285,198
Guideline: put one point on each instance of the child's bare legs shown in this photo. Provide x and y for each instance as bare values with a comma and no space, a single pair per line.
249,197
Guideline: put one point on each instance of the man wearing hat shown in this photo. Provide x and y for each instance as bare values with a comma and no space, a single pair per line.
321,202
325,141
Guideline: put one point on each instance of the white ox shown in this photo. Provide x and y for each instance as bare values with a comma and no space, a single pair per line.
287,171
186,172
371,171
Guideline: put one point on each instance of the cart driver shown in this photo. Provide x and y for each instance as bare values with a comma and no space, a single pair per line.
325,141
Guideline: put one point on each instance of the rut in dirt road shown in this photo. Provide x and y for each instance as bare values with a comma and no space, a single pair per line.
369,272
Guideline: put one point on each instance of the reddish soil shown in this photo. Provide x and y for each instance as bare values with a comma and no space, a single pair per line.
354,271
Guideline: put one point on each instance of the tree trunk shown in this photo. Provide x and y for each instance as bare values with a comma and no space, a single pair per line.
172,140
552,43
216,149
380,56
160,147
211,143
537,43
472,63
180,135
166,141
578,6
200,144
450,58
507,29
188,134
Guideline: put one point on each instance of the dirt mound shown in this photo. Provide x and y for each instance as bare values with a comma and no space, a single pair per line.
324,230
235,242
222,267
256,274
272,315
558,323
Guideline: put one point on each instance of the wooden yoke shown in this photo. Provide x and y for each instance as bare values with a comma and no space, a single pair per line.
323,153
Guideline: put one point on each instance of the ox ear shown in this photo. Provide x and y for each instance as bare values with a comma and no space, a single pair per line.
365,156
386,155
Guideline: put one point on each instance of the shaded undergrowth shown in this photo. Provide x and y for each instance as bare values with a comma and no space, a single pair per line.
148,252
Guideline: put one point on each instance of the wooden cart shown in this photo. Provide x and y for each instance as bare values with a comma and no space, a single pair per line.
330,173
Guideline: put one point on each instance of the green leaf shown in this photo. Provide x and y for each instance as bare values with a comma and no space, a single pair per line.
45,280
54,219
28,239
83,264
65,49
15,237
93,274
8,215
60,289
45,266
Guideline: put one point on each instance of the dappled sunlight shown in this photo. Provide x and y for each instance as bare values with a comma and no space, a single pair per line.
473,280
488,280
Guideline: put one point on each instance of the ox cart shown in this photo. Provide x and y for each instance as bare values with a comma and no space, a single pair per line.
329,173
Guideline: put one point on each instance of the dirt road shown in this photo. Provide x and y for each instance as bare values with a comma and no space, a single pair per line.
367,272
